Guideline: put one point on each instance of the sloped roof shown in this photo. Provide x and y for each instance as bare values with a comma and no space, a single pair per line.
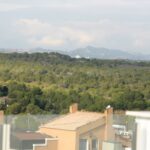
30,136
74,120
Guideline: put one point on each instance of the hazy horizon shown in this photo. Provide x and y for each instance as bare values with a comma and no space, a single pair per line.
69,50
68,24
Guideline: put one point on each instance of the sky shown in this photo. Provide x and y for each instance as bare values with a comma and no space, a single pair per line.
70,24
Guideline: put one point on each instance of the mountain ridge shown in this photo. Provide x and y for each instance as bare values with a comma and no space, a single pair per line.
89,52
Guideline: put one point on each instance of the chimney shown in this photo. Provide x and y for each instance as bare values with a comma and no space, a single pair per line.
109,110
1,117
73,108
109,132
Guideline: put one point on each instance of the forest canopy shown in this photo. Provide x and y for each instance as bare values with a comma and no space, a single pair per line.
49,82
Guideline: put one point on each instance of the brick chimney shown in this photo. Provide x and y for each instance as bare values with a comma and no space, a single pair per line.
1,117
73,108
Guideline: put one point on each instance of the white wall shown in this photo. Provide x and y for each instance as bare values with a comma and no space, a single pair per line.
6,137
143,134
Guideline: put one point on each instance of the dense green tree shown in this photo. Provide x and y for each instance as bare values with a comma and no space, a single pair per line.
3,91
33,109
26,123
50,82
15,108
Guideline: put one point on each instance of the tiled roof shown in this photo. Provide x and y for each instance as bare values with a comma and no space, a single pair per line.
74,120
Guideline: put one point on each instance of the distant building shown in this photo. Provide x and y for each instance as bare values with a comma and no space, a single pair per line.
77,56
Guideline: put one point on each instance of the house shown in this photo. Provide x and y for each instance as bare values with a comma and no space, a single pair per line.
78,130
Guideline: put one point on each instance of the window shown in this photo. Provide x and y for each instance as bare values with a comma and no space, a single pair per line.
95,144
83,144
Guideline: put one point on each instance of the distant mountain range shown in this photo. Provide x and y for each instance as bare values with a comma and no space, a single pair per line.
100,53
89,52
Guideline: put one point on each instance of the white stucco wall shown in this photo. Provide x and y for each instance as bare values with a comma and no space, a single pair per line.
143,134
143,129
6,137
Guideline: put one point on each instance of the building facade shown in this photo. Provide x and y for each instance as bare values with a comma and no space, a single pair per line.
142,135
79,130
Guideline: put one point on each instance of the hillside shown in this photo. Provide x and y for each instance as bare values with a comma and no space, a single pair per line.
50,82
100,53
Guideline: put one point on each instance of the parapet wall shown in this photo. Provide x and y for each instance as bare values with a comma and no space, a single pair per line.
50,144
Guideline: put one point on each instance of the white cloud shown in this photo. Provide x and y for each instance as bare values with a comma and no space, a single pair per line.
7,5
104,32
141,41
46,41
33,27
45,34
122,24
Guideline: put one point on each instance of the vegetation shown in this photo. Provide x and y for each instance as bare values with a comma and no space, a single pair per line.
25,123
49,83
